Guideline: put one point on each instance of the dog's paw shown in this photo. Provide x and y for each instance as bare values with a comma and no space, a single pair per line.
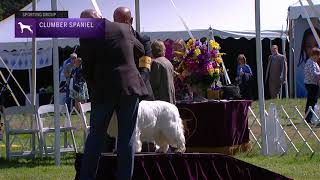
180,150
162,150
159,151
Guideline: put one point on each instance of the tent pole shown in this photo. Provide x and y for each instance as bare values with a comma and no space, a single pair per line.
284,40
33,90
56,92
292,63
260,78
137,12
30,83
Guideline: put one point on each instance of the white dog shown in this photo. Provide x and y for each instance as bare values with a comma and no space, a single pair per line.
22,27
158,122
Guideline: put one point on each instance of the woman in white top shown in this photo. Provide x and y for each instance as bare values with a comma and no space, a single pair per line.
311,80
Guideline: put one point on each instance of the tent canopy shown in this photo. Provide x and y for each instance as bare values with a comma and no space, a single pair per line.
159,19
295,12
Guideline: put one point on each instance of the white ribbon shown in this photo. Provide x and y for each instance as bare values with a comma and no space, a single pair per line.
96,7
315,34
182,20
15,80
313,8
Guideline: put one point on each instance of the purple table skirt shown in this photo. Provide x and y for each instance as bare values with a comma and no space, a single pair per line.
215,123
188,166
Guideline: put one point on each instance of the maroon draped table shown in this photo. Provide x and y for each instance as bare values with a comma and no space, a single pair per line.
215,126
188,166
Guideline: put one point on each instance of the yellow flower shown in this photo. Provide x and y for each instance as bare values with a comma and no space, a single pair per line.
217,70
197,52
219,60
214,44
179,53
211,71
190,43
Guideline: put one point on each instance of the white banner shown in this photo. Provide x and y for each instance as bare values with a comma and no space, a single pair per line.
22,60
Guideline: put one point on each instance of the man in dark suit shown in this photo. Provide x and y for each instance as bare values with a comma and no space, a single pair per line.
123,15
115,84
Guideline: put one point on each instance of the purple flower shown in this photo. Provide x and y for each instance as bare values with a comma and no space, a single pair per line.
214,53
214,64
198,43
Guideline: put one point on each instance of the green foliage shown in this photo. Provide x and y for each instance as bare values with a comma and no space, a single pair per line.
9,7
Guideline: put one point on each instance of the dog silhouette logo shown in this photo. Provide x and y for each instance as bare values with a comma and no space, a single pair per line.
23,26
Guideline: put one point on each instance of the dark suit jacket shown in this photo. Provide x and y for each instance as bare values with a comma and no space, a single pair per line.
145,73
108,64
145,41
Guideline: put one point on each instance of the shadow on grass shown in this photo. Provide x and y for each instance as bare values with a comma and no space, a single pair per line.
66,160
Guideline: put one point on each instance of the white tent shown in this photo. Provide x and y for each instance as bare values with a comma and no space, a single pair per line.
298,17
242,24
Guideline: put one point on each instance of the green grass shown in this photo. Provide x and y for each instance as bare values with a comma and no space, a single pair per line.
296,167
38,168
302,166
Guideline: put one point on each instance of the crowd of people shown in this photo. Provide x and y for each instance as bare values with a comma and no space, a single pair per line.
124,68
164,78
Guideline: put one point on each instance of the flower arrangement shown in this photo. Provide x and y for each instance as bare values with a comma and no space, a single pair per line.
202,63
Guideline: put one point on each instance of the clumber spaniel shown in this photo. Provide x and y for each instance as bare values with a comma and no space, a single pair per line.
158,122
22,27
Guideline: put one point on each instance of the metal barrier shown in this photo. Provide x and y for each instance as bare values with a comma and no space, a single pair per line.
298,135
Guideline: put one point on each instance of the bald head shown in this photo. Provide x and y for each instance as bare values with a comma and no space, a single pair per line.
90,13
122,15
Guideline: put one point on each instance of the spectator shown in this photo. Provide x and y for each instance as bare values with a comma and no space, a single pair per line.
65,88
276,72
79,89
243,76
162,73
311,80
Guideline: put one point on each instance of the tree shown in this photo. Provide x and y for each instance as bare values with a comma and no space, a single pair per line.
7,8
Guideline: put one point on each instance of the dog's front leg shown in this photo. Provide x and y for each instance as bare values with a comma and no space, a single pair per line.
137,142
163,148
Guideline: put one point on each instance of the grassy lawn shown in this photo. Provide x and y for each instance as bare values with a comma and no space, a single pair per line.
298,167
37,169
301,167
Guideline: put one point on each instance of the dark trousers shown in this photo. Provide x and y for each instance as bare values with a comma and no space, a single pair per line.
126,109
312,99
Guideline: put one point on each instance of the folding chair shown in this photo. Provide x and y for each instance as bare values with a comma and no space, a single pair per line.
20,121
84,108
46,117
112,129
